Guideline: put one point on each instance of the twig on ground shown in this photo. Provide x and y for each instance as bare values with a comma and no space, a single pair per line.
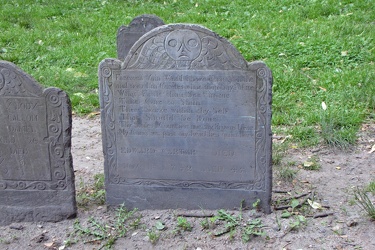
323,215
296,197
311,194
197,215
280,192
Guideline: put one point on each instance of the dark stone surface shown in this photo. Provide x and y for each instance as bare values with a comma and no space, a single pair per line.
186,123
128,35
36,172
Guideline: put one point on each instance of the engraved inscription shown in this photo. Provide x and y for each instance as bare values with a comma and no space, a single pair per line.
23,125
180,116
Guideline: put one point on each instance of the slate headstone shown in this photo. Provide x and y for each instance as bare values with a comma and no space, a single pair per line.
128,35
186,123
36,173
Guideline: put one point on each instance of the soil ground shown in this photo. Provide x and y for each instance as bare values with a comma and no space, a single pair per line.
343,224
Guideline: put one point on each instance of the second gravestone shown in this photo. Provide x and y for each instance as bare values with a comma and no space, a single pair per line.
186,123
36,172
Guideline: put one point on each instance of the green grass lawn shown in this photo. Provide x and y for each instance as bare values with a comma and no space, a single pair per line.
319,51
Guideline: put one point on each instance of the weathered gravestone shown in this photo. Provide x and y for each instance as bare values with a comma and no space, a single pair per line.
128,35
36,173
186,122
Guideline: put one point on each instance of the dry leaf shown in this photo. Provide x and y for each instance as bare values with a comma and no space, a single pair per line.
372,149
314,204
308,164
50,244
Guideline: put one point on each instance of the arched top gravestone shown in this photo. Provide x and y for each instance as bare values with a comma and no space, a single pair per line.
186,123
128,35
36,173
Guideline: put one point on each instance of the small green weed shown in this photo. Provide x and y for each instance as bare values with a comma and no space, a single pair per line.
153,236
312,163
371,187
294,203
298,222
233,223
256,204
105,233
252,228
364,202
287,173
205,223
183,224
278,153
94,194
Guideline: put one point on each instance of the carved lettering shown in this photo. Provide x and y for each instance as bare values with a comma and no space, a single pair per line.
21,118
20,129
19,151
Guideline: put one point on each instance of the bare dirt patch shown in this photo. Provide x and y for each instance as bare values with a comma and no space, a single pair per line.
339,224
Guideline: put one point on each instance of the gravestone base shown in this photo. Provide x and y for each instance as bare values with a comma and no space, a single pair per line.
186,198
48,206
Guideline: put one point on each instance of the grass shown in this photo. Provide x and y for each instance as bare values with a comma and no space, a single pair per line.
312,163
363,197
105,233
232,223
183,224
91,194
319,51
287,174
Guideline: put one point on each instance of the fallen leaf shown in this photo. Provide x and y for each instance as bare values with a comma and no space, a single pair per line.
159,225
286,214
308,164
324,106
314,204
92,114
50,244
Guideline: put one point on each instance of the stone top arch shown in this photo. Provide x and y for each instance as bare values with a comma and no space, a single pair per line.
183,47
